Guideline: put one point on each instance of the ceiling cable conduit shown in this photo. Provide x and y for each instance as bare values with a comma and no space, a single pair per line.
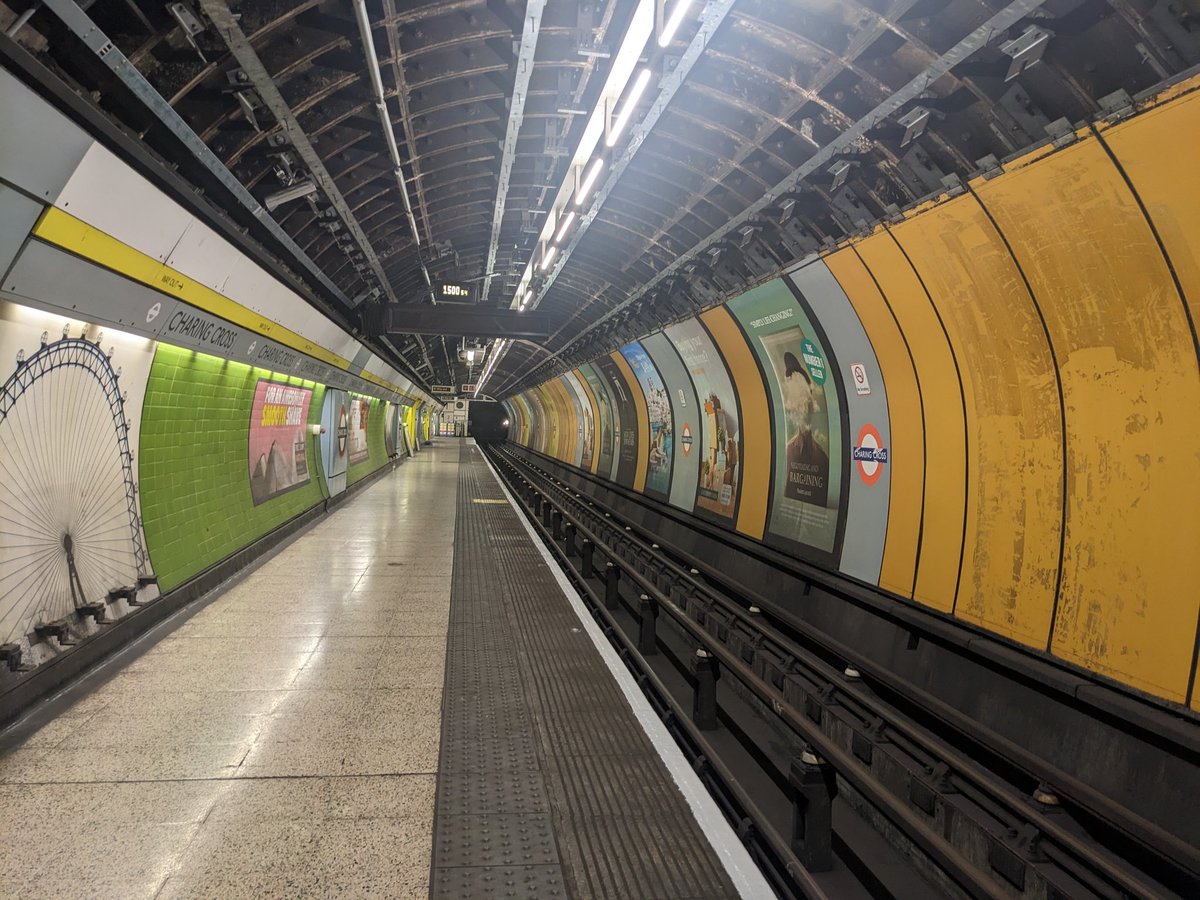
264,84
385,119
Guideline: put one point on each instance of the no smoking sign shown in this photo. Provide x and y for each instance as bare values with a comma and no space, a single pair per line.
858,374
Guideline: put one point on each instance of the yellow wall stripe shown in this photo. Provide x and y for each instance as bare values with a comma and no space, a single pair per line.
76,236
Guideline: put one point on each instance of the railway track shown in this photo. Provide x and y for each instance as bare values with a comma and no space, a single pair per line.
842,781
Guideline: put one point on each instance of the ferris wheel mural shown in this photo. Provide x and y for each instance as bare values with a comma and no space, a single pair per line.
70,536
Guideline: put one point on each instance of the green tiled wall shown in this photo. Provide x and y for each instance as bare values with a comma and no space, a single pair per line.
375,444
193,469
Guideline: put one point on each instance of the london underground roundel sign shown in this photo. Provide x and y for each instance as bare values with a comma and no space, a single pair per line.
343,431
870,455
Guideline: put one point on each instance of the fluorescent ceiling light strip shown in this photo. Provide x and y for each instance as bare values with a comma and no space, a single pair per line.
626,113
589,181
673,23
548,257
964,49
562,229
639,32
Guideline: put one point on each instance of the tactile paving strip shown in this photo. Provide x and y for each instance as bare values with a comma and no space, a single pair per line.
547,786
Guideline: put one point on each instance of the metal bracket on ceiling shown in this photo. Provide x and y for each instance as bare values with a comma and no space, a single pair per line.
1116,106
953,185
914,123
247,98
190,24
989,167
1026,50
1061,133
840,171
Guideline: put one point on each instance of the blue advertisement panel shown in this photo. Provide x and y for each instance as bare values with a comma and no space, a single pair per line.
685,413
661,421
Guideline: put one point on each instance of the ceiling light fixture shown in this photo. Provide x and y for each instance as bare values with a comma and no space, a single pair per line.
562,229
626,113
673,23
548,257
589,182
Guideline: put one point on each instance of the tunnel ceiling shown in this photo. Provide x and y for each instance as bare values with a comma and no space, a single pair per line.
777,82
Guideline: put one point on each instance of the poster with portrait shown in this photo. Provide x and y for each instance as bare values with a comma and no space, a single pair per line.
278,445
360,450
806,415
661,421
606,427
720,437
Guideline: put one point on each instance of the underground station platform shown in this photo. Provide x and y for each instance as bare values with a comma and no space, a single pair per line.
421,707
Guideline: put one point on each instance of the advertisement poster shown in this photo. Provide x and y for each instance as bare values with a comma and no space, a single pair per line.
685,409
719,439
359,449
584,406
627,436
278,448
662,430
390,426
805,413
607,428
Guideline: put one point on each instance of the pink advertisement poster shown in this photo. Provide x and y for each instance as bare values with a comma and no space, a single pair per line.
278,450
359,449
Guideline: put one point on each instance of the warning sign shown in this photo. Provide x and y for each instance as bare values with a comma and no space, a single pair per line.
686,439
858,374
870,455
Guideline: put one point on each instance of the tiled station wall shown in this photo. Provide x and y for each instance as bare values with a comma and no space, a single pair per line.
1029,345
196,502
133,337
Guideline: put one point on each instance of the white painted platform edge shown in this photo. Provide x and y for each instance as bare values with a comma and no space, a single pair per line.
747,878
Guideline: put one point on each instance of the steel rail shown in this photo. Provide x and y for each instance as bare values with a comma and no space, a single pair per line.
1014,804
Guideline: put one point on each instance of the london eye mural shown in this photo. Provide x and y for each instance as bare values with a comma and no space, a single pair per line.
70,537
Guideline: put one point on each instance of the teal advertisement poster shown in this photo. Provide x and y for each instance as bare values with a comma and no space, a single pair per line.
605,425
806,417
662,431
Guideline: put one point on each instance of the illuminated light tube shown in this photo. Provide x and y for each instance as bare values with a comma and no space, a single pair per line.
562,229
589,181
673,23
631,102
548,257
528,297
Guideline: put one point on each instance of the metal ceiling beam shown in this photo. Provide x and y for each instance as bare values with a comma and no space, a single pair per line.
710,21
410,137
967,47
262,82
516,115
463,321
87,31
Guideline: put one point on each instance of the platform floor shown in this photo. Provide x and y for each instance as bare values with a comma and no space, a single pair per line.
286,737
